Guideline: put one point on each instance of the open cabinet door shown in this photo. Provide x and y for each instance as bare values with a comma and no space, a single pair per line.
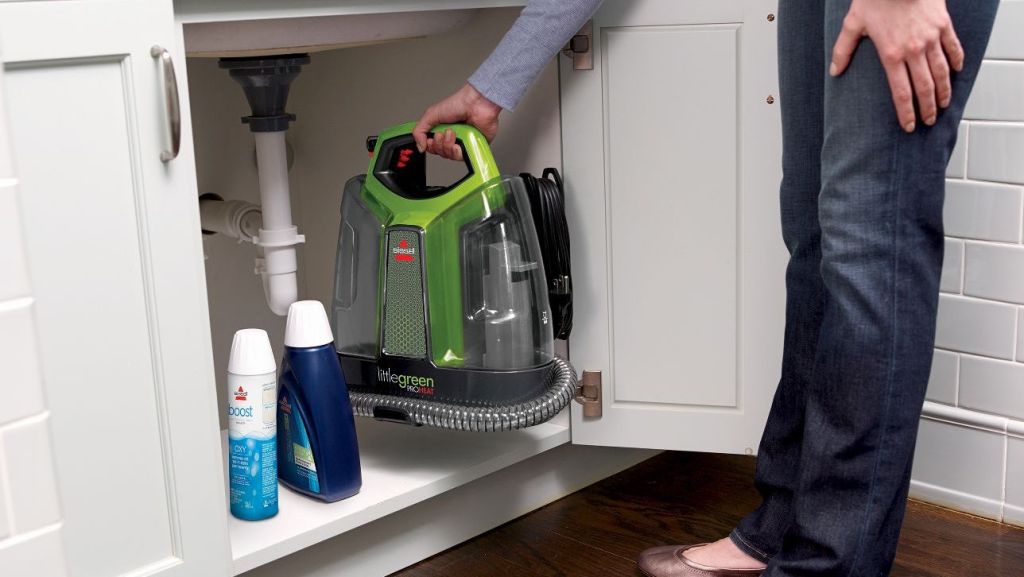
111,229
672,164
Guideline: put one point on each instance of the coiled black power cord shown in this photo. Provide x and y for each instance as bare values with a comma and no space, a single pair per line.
547,205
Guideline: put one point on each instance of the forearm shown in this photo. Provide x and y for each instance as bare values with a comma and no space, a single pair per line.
540,32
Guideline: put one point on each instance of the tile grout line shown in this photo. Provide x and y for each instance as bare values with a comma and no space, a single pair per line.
15,304
8,501
956,387
32,420
1016,334
991,122
987,182
980,356
985,241
967,150
1020,223
16,540
963,266
1006,467
982,300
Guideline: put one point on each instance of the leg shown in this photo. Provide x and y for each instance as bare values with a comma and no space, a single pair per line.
801,82
880,211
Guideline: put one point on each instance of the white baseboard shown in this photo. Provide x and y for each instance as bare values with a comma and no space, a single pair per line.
1011,431
418,532
1013,515
956,500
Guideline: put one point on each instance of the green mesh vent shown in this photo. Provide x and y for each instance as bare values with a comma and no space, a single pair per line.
404,321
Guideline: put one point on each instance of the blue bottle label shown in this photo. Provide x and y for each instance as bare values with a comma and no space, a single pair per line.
253,485
299,463
252,445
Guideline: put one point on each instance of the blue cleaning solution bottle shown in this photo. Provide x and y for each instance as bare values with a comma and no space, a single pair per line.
316,442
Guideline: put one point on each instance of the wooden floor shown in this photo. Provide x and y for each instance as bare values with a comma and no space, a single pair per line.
689,498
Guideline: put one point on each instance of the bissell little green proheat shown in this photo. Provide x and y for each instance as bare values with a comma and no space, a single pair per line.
440,310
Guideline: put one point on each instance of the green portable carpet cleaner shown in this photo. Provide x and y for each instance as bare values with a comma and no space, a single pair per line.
442,306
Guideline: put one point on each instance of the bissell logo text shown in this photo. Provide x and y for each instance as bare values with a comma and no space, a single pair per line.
240,394
403,253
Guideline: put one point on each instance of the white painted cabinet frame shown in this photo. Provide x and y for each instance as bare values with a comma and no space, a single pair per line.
671,150
116,267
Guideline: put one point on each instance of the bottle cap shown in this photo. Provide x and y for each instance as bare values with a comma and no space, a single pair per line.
307,326
251,353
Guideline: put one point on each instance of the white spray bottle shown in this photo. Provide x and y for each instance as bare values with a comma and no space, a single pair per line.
252,426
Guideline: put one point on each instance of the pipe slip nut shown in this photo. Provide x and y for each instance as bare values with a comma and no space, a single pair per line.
279,238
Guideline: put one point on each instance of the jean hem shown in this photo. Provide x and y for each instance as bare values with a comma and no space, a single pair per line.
747,547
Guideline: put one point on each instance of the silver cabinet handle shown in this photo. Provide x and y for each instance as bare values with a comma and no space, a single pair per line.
171,98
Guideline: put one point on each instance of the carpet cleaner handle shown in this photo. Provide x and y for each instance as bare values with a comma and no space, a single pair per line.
476,151
394,156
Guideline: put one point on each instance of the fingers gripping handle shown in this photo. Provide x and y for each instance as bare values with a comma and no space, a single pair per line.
401,167
475,148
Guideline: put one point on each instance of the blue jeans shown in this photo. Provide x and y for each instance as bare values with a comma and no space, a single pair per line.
862,220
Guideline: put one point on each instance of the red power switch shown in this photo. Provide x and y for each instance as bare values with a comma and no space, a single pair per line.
403,157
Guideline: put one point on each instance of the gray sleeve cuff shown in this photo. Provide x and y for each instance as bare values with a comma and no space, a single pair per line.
538,34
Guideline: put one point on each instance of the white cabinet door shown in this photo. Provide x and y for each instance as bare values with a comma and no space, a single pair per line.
671,150
116,266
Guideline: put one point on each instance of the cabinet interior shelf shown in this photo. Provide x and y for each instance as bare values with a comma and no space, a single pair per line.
401,466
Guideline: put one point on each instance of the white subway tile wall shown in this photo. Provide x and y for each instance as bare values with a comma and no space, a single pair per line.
995,272
1006,42
976,326
971,454
994,153
992,386
944,378
1020,335
995,80
953,267
30,512
982,210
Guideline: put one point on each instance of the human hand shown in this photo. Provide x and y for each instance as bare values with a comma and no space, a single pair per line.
466,105
917,44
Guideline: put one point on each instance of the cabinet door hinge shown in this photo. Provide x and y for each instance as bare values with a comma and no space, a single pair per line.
580,48
588,394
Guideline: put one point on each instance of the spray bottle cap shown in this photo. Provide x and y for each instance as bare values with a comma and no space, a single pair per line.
307,326
251,353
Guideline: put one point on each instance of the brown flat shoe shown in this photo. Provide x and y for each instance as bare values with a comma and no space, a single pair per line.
670,562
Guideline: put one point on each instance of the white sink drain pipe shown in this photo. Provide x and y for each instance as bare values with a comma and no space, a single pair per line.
277,235
233,218
266,81
267,225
